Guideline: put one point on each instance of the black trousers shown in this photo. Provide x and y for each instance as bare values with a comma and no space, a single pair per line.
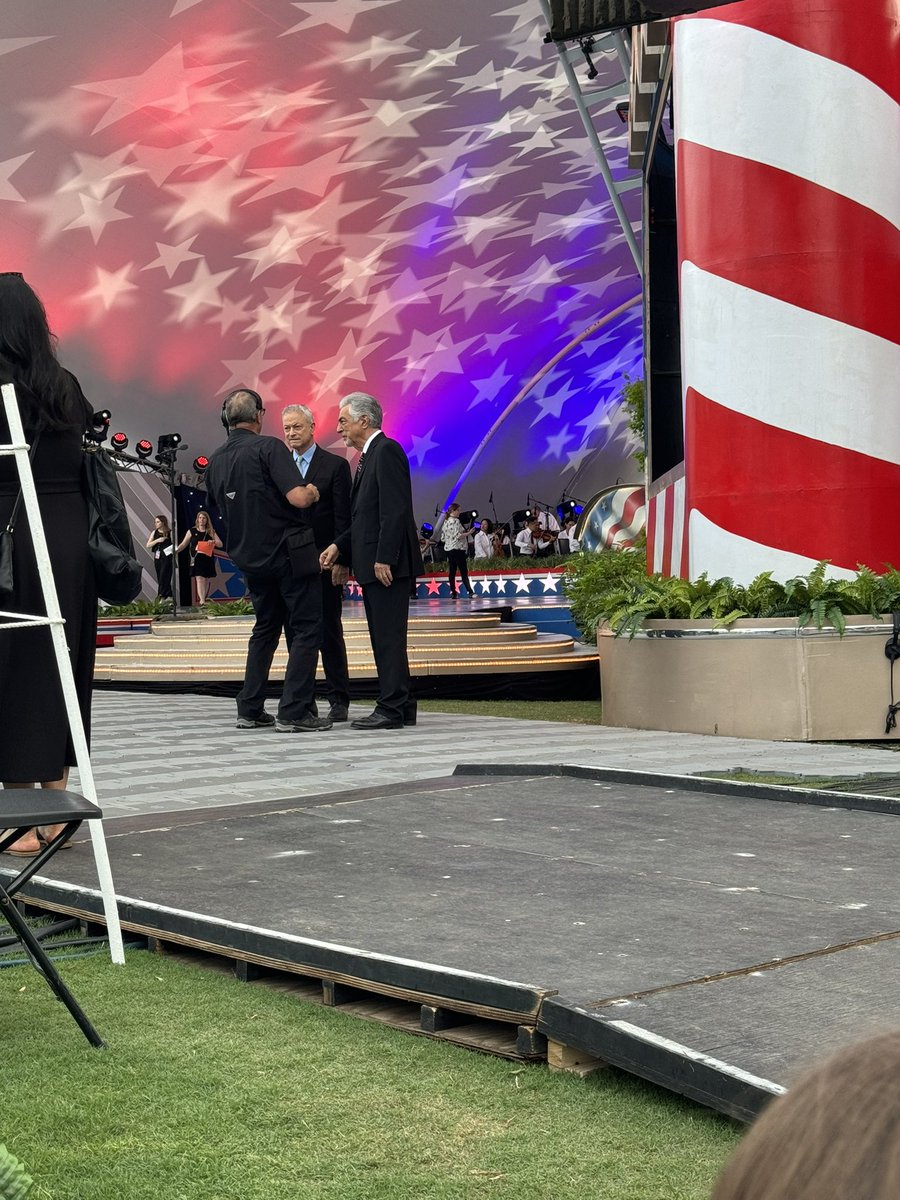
334,650
456,560
387,614
294,605
163,566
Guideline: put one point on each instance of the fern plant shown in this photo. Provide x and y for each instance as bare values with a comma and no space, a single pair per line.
618,591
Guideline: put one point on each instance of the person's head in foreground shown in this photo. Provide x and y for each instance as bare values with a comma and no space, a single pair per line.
834,1136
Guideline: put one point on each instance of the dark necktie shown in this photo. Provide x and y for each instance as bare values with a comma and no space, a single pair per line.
359,470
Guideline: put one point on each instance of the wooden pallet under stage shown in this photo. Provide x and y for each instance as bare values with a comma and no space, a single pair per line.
214,650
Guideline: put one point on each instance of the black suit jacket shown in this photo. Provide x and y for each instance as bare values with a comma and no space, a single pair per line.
330,515
382,524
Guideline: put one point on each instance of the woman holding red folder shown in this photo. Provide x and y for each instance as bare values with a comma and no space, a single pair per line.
203,540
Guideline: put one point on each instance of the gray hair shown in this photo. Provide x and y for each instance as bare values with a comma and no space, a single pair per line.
363,405
292,410
241,407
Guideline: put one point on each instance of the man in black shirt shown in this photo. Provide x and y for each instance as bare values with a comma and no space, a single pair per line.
253,481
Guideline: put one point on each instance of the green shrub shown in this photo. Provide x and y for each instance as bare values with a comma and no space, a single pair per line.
632,400
14,1183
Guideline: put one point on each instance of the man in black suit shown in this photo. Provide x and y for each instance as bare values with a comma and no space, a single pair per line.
330,517
382,548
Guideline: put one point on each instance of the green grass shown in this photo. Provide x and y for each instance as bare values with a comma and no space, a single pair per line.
860,785
579,712
212,1090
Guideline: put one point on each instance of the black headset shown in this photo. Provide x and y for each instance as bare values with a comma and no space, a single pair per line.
238,392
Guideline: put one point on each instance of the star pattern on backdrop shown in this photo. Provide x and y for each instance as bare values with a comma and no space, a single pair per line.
348,194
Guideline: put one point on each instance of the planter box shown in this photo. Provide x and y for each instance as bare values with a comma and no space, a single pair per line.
758,679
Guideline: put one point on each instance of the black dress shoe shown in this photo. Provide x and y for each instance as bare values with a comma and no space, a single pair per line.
338,712
376,720
409,714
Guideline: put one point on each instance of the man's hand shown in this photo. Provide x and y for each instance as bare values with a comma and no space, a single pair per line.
303,495
384,574
339,575
328,557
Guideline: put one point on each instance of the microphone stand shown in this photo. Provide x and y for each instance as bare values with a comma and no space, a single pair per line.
167,470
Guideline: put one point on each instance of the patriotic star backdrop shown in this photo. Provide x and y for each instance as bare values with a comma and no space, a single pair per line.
316,197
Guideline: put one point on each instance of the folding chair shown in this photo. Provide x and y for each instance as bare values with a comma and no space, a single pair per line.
28,808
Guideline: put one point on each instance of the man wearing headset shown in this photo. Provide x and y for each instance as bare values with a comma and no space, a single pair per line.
253,481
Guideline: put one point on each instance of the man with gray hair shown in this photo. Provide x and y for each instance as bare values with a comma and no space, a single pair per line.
329,517
254,483
382,548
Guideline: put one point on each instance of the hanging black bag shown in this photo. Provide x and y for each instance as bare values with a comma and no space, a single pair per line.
7,581
117,572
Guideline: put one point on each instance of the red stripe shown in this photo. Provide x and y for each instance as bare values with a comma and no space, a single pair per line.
625,522
791,492
651,534
864,35
668,525
775,233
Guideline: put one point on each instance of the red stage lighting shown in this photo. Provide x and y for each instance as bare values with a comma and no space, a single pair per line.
144,448
201,462
119,441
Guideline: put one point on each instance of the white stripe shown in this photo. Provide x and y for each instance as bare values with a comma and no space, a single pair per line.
791,368
746,93
697,1056
678,489
659,501
719,552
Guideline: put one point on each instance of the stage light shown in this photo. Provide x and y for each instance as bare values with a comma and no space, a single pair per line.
201,462
100,425
468,517
119,441
144,448
167,443
426,530
587,45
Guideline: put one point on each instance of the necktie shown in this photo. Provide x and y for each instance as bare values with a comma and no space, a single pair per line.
302,464
359,469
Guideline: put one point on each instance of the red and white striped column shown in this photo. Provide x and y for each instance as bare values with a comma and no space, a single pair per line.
788,175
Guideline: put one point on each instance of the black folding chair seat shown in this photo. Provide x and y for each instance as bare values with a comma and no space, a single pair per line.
22,809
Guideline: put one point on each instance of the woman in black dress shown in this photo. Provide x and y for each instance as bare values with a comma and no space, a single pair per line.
35,746
202,539
159,541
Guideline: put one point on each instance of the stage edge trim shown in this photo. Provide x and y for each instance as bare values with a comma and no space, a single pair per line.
677,1068
691,783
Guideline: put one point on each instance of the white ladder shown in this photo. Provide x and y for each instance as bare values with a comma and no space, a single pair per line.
19,449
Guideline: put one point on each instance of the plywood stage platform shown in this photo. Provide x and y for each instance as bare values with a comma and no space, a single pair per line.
708,936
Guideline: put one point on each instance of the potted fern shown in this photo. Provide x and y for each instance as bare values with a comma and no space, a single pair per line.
799,660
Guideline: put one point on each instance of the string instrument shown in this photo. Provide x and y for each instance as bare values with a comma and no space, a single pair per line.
544,537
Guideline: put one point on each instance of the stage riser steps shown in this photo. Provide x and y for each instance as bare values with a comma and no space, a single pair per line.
219,626
208,651
510,634
355,654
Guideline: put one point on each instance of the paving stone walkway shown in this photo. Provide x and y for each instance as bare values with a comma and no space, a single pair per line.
156,753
